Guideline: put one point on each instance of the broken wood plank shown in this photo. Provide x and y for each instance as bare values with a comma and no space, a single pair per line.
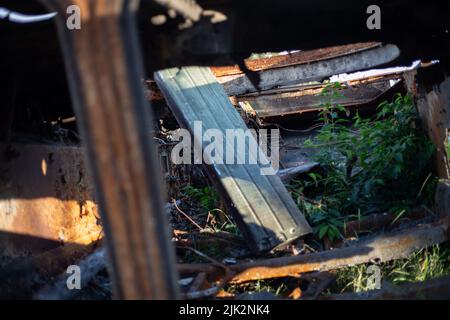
104,68
261,205
18,279
387,247
239,84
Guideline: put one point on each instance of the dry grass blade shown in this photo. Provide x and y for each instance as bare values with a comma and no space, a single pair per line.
186,215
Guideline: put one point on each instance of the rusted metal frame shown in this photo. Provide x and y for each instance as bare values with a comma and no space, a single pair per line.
305,89
387,247
103,66
295,58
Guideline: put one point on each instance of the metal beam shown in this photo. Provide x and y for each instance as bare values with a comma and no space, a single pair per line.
103,65
317,70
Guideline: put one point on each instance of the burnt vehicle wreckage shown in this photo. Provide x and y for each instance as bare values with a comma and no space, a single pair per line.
87,124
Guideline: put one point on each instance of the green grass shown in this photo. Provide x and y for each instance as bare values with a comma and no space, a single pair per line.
423,265
207,200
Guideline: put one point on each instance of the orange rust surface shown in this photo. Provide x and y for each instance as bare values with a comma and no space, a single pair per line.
45,200
296,58
387,248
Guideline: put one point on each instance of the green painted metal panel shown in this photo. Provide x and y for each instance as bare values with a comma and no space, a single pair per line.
261,205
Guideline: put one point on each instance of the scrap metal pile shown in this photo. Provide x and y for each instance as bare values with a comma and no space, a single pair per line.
284,100
233,228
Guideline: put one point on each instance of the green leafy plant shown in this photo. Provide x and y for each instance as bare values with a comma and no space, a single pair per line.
369,164
207,197
326,221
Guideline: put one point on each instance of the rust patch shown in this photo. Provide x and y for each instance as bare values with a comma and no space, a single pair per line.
44,206
296,58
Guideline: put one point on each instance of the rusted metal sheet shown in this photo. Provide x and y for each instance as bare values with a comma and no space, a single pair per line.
239,84
295,58
46,200
272,107
264,210
104,69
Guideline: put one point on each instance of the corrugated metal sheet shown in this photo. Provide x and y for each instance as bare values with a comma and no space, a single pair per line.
262,206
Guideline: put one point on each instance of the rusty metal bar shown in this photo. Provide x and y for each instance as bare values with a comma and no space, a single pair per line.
387,247
238,84
103,66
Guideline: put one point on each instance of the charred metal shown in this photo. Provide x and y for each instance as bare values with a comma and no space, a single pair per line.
87,125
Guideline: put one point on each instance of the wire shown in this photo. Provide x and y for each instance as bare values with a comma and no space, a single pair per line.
17,17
